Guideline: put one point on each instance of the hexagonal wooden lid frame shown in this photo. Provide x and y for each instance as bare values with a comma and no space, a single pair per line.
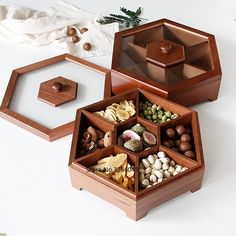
186,83
32,126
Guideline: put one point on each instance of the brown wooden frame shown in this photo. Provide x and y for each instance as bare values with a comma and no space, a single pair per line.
32,126
136,204
187,92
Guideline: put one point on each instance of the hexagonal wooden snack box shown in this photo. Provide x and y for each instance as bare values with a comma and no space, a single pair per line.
169,59
130,195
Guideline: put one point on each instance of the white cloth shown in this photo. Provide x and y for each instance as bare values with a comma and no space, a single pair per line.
24,25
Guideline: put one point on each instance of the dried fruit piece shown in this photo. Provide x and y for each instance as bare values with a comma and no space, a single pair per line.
130,110
129,135
100,113
112,114
125,182
124,104
138,129
149,138
93,132
122,115
134,145
108,138
109,117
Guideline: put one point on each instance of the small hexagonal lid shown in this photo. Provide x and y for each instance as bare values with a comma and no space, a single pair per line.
58,91
165,53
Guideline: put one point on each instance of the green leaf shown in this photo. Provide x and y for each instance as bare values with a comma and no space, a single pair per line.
139,11
120,16
131,18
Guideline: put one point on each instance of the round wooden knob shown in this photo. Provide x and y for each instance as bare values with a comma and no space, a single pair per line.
57,87
165,48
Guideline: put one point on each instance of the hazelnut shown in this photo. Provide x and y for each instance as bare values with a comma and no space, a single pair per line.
87,46
170,133
185,138
190,154
75,38
171,142
71,31
166,144
177,142
83,30
180,130
185,146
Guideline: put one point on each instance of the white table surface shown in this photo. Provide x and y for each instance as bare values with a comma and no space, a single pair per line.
36,197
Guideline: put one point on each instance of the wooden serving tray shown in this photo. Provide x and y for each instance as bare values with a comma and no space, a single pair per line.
34,102
135,203
169,59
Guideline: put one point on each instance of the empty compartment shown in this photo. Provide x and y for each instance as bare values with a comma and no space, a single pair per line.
182,36
200,56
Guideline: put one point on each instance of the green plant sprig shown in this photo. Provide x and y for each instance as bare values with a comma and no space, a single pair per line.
131,18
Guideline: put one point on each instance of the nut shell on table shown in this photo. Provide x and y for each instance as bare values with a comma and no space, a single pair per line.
71,31
75,38
87,46
83,30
